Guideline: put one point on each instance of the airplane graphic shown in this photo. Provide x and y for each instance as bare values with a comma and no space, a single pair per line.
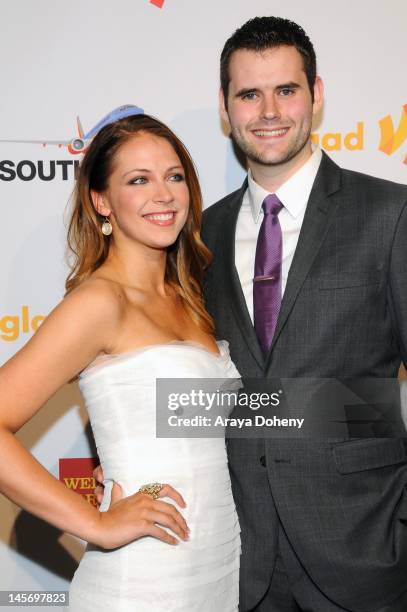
79,144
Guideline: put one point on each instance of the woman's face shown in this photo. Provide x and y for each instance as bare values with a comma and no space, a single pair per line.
147,194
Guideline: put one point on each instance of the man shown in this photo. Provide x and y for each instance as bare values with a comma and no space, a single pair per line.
308,280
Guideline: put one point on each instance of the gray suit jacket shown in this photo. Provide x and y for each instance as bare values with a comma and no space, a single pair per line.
343,504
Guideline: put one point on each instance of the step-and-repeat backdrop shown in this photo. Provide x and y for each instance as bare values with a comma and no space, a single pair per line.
82,59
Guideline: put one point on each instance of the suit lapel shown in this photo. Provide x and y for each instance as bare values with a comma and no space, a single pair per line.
318,217
232,281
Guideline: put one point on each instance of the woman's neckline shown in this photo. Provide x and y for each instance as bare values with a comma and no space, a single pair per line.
112,358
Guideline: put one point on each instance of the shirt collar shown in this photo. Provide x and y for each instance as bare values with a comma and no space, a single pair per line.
293,194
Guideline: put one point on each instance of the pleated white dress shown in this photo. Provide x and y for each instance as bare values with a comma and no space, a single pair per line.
148,575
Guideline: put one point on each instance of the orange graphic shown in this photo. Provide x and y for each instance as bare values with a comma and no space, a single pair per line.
76,474
392,139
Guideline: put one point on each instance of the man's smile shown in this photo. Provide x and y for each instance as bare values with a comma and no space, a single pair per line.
274,133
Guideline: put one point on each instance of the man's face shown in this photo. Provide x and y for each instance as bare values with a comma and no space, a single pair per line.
270,107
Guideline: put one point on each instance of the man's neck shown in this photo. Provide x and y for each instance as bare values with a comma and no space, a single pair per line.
272,177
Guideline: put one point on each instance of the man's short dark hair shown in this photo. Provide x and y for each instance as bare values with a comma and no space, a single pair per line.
262,33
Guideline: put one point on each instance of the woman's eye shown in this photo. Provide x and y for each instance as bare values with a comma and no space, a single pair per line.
139,180
176,178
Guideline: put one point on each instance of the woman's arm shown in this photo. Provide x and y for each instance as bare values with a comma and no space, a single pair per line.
80,327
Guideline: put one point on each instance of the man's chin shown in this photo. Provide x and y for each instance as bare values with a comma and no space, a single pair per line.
274,158
270,160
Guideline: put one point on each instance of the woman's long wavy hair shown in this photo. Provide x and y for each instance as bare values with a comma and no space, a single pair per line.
89,248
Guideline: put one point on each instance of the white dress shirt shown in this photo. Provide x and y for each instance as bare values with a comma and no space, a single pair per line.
294,195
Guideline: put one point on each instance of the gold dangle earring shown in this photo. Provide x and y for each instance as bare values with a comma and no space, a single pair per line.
107,228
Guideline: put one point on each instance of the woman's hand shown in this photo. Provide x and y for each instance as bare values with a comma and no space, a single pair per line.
139,515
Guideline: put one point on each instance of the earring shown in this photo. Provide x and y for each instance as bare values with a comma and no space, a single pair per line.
107,228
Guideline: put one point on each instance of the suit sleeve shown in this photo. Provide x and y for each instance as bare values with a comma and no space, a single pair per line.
398,284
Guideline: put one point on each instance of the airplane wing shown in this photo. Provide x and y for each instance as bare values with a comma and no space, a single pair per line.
59,143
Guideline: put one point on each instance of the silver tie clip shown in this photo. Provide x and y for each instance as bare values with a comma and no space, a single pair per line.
263,278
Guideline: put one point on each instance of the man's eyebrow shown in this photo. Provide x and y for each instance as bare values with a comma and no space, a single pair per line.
289,85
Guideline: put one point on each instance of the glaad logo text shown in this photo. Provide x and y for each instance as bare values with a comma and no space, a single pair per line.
12,326
391,137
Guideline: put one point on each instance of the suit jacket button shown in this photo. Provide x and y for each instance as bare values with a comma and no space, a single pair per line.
263,460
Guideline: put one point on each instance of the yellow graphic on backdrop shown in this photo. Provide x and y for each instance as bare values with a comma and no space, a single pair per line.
11,326
392,139
335,141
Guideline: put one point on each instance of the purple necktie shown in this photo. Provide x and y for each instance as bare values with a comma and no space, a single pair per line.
267,273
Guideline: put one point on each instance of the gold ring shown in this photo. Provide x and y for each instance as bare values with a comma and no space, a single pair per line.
152,489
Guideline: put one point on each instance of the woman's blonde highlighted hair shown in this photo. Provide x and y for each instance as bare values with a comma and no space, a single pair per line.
186,259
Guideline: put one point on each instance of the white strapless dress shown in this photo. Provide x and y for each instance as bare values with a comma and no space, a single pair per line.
147,575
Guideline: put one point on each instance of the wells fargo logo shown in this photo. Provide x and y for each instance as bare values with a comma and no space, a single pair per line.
391,137
76,474
12,326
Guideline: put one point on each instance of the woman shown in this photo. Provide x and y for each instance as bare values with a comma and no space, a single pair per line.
133,313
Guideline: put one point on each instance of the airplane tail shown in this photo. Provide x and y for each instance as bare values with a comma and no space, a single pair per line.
81,133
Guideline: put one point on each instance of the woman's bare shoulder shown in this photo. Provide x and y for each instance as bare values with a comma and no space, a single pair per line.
98,295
